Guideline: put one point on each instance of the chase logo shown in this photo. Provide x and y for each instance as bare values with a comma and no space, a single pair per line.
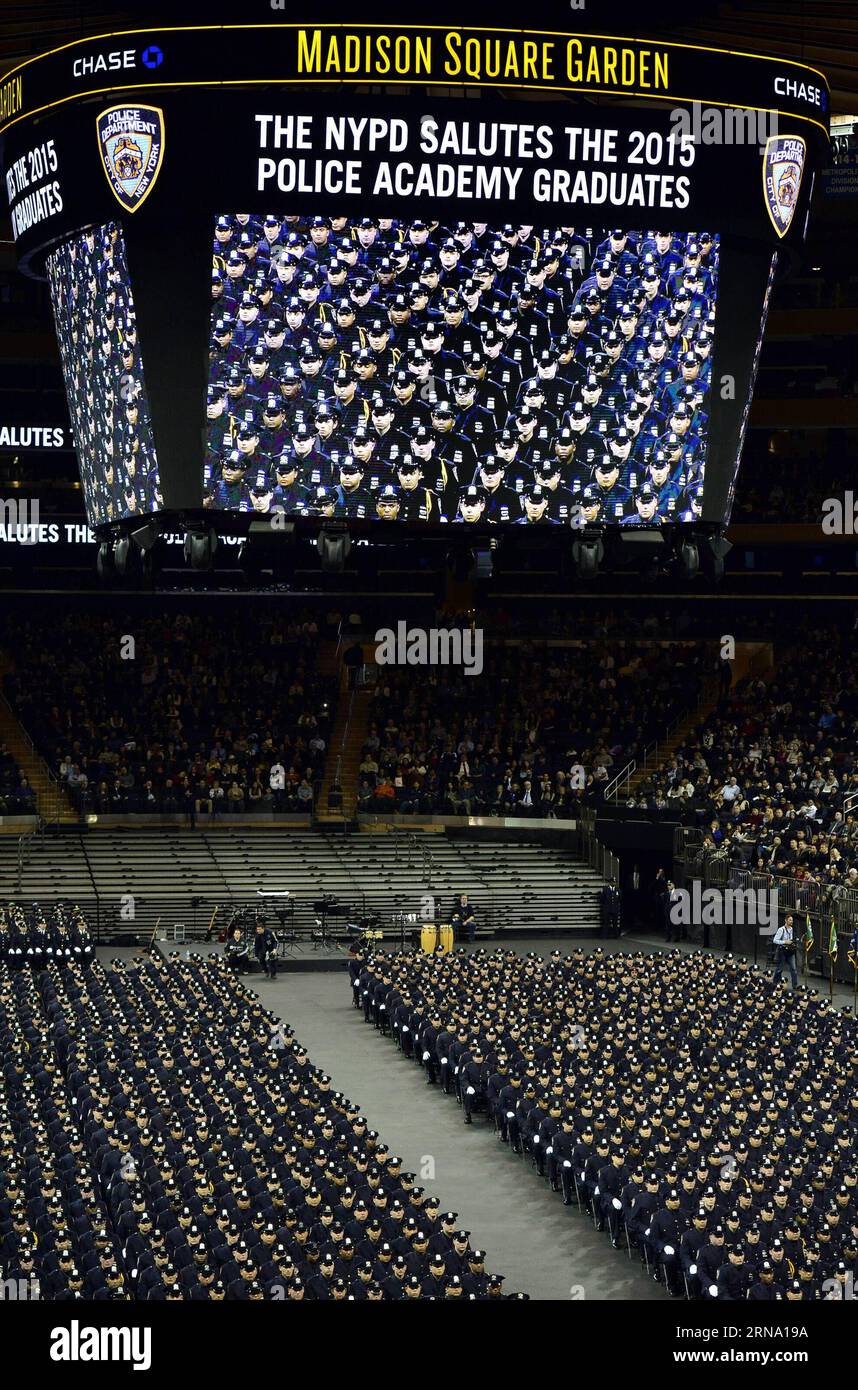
152,57
131,146
783,166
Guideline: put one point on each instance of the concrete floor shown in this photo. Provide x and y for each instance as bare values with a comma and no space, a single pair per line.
543,1248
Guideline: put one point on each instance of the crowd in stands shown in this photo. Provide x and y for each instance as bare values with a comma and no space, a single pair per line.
786,491
17,797
206,713
163,1137
769,773
703,1117
641,619
539,731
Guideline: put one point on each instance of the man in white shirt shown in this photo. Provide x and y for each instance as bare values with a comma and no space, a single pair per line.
277,783
786,947
730,791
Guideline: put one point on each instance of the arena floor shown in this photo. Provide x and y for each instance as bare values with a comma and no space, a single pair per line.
542,1247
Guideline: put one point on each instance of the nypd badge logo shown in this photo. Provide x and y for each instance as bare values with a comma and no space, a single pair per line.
131,145
783,166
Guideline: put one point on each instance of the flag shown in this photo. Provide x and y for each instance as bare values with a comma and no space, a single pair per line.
832,941
808,939
852,953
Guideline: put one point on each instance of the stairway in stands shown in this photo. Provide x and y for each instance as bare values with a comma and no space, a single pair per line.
130,879
345,750
52,802
752,658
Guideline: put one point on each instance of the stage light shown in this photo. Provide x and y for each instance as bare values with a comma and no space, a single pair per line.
689,556
104,567
121,552
145,537
333,544
587,555
199,548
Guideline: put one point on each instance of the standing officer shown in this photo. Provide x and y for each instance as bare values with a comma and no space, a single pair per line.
265,949
609,900
473,1079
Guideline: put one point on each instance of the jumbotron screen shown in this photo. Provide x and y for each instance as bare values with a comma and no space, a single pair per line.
365,348
439,371
103,370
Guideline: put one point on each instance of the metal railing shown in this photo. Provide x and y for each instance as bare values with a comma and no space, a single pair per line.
45,784
26,843
337,784
623,778
651,756
590,848
687,839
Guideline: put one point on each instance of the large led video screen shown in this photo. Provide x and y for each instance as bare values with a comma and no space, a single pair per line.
420,371
103,369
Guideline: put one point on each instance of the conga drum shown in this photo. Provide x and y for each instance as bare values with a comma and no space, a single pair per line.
429,938
446,938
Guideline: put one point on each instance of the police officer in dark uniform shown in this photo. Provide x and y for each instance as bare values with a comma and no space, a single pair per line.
265,949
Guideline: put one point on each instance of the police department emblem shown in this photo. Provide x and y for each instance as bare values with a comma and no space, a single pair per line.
783,166
131,146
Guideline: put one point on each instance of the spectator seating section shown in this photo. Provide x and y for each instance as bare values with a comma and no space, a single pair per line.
215,712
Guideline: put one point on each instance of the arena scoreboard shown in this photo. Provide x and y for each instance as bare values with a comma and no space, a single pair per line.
421,274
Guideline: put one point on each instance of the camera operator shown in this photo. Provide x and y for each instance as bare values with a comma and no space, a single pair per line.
265,948
785,950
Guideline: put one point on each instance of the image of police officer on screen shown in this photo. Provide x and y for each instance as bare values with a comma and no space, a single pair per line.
431,372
